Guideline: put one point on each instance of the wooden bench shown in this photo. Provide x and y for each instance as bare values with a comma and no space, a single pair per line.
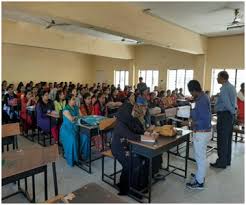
9,135
112,176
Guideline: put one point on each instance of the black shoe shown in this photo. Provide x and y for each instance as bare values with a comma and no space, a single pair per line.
215,165
195,185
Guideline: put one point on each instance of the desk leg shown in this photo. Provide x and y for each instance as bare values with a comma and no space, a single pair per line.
33,189
55,178
45,184
187,154
150,179
90,153
16,142
130,168
26,185
50,131
168,159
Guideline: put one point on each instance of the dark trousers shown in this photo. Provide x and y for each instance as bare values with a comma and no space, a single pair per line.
224,137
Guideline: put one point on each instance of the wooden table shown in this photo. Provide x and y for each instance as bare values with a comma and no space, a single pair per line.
90,193
9,135
20,164
149,151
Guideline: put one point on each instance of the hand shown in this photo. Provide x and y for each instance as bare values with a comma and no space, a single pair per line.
151,128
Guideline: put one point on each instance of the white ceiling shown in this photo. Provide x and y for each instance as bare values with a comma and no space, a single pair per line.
206,18
20,16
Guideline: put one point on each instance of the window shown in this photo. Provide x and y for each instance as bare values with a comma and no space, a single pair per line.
121,77
150,77
179,78
236,77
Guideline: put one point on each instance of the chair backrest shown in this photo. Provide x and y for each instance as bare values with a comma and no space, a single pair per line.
11,129
171,112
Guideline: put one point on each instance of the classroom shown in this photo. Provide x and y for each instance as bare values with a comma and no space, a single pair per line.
123,102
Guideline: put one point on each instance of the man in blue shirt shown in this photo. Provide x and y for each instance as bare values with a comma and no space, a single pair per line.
201,126
225,107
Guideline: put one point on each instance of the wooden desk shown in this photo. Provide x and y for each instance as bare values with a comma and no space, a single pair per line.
9,135
149,151
90,130
90,193
24,163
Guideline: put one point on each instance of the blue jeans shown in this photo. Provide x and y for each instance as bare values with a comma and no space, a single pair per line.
200,142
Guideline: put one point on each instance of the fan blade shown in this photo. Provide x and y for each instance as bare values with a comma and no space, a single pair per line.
62,24
49,26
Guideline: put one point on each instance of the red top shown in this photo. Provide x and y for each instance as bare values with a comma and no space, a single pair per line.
98,110
240,105
85,111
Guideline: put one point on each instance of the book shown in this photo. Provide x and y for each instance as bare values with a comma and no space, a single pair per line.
146,138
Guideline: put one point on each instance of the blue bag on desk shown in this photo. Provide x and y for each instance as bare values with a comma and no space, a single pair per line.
91,119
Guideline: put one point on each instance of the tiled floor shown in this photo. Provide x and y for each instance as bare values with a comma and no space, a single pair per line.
222,186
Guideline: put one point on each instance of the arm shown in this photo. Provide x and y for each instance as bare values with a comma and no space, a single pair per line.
68,115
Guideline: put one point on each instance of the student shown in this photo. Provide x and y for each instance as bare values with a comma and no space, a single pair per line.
180,94
4,87
44,107
27,100
75,93
99,108
53,91
127,127
35,94
141,85
174,97
201,126
143,99
86,107
240,104
10,105
20,92
70,133
168,101
60,101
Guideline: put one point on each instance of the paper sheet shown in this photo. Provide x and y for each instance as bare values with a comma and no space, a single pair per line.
183,112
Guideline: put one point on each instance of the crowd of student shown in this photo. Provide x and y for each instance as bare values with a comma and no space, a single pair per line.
72,101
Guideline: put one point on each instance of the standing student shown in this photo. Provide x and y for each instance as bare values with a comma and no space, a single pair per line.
225,107
75,93
141,85
44,107
70,133
201,126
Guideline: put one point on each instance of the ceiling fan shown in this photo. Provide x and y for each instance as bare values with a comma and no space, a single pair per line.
236,23
53,23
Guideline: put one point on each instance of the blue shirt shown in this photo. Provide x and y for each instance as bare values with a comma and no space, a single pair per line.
226,100
201,114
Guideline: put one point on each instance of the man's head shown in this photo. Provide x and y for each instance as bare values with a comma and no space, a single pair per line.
223,77
140,79
194,88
